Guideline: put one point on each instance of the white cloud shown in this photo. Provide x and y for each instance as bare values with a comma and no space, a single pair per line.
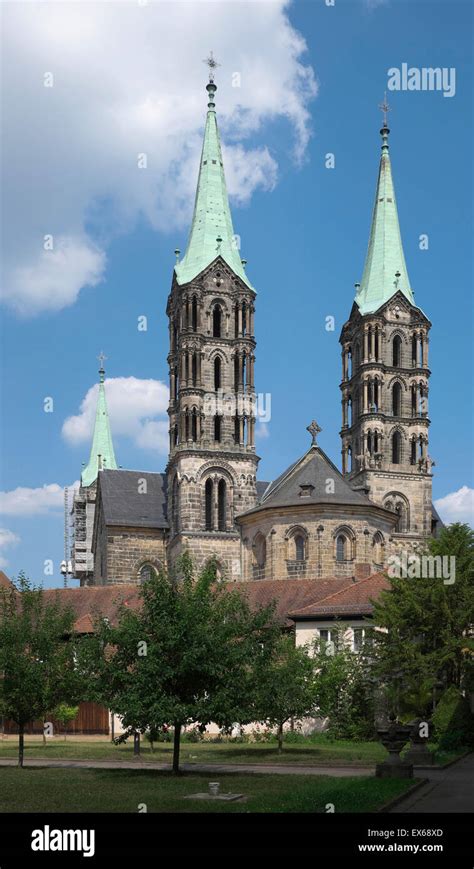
129,79
56,278
133,406
7,539
25,501
457,506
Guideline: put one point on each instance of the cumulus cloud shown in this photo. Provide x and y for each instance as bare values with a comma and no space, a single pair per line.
457,506
26,501
133,406
7,539
128,79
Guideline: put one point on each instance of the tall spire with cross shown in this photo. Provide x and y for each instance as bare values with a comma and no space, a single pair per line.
102,453
212,219
385,257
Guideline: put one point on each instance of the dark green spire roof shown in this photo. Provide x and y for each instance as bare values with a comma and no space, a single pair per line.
102,450
212,233
385,269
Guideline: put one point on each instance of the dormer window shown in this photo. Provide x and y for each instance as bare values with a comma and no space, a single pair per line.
306,490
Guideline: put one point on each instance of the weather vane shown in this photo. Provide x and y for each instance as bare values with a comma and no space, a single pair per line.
385,108
314,430
211,63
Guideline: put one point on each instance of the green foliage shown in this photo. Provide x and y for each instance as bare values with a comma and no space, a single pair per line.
186,656
428,622
453,721
285,685
64,714
37,655
345,690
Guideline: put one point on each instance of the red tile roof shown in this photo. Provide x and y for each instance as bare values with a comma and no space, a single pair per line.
4,581
295,599
354,598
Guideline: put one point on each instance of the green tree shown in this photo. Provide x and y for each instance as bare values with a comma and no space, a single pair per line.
428,622
64,714
285,685
37,656
345,687
186,656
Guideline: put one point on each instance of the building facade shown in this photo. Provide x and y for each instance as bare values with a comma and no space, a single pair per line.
313,521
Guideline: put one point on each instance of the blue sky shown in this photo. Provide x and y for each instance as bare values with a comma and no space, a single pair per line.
132,86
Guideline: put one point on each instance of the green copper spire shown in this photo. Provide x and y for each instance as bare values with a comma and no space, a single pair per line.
212,233
102,450
385,269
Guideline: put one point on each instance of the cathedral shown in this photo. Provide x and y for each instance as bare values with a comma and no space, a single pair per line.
314,522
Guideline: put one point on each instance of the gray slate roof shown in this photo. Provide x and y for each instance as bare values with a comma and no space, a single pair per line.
312,469
124,504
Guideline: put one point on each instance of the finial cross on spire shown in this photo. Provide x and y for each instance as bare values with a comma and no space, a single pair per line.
314,430
385,108
211,63
101,357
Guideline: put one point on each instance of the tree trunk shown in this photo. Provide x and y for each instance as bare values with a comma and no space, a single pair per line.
21,744
176,746
44,734
136,743
280,738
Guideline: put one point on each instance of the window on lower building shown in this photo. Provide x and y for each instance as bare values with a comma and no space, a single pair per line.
361,636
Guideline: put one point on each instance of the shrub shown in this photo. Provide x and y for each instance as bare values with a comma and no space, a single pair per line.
452,720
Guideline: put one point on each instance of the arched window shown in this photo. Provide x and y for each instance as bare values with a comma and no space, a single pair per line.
194,309
217,428
175,504
186,424
146,572
397,351
341,548
300,547
378,548
217,372
216,321
399,505
414,351
176,436
194,369
396,399
259,549
208,504
413,451
236,372
356,357
221,505
396,447
194,424
236,429
244,318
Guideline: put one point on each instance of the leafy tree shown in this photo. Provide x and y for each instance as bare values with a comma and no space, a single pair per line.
185,656
64,714
37,655
427,639
345,688
285,685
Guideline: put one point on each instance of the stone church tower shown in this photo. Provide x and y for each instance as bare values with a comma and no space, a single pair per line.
385,376
102,457
211,473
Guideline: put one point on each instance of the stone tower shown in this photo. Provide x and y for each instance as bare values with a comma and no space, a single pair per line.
212,463
102,456
385,375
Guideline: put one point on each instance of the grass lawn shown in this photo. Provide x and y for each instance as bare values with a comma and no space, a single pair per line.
318,752
119,790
